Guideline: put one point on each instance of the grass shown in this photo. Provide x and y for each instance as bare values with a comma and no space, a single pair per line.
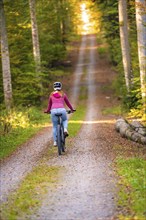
132,194
102,51
75,122
21,132
116,110
31,192
11,141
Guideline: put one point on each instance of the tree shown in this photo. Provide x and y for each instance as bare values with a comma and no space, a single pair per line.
53,36
64,19
125,47
35,37
140,6
7,85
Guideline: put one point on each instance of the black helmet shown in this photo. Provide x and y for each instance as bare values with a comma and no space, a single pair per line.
57,86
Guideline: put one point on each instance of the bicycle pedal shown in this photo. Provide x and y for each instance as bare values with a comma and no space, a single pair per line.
66,134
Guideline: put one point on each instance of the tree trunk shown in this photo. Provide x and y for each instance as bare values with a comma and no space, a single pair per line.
65,27
58,6
125,42
134,131
63,21
140,6
5,59
35,38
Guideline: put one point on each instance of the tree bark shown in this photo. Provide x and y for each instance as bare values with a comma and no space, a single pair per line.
125,47
7,84
35,37
134,131
140,6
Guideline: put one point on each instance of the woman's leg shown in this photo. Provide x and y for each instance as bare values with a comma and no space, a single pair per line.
64,118
54,122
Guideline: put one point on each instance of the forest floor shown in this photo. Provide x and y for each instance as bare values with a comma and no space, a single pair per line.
88,184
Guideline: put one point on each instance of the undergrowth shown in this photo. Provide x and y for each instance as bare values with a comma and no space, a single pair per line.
116,110
18,126
132,194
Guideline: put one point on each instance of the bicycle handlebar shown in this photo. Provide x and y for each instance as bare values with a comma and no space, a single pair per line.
70,111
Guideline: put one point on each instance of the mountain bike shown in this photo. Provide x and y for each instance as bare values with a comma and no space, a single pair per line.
60,133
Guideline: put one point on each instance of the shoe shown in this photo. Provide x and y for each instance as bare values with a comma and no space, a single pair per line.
55,144
66,134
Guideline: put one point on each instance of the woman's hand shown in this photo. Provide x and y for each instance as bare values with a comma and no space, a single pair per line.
47,112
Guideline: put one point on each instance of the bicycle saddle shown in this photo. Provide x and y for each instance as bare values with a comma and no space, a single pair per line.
58,114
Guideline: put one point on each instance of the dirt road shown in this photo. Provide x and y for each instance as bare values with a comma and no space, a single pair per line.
87,189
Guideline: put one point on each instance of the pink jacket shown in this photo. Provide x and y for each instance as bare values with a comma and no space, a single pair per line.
58,101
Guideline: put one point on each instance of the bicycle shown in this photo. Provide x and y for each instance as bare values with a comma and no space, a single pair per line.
60,133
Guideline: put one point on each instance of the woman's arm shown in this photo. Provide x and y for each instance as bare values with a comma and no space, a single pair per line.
49,105
67,102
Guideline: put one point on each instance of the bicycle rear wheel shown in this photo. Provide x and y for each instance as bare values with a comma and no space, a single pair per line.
62,139
59,142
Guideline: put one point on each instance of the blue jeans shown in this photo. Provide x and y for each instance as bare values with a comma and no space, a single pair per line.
54,119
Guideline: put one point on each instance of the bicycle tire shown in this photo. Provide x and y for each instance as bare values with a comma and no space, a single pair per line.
59,142
62,139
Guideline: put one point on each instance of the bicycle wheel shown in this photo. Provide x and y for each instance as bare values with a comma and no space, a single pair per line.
62,139
59,142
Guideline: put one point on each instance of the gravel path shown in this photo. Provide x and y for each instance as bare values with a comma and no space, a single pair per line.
16,167
88,186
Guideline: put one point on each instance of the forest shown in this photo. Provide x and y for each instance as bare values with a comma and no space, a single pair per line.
30,65
38,38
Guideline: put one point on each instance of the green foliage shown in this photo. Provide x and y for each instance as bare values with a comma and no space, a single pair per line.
27,89
13,119
116,110
110,31
11,141
132,194
17,126
102,51
55,54
110,27
55,25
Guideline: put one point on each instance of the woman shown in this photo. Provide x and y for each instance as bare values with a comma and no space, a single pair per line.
57,100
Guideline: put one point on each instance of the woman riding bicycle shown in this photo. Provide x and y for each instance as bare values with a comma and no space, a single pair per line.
57,101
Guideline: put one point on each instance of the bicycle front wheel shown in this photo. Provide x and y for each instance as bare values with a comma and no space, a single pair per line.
59,142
